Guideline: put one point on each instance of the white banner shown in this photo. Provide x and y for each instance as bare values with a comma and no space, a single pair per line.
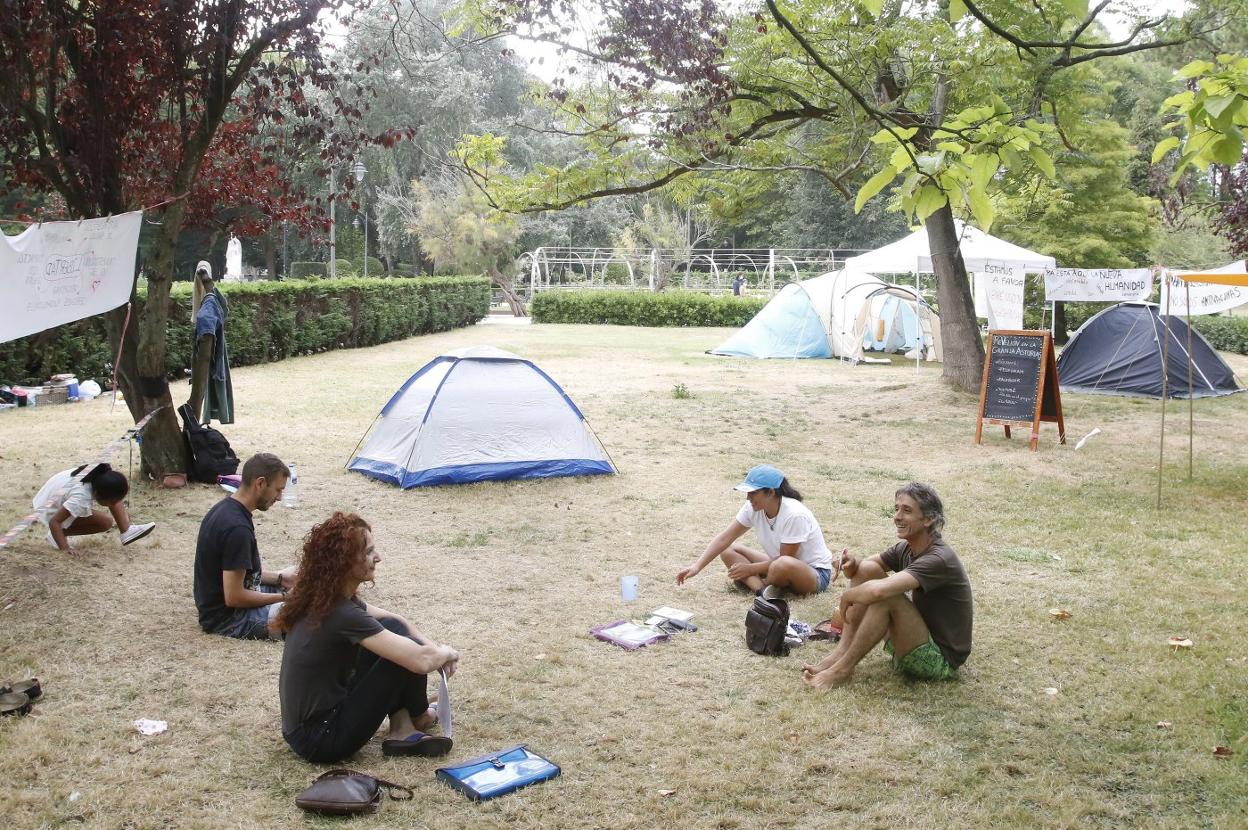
1098,285
58,272
1207,297
1003,284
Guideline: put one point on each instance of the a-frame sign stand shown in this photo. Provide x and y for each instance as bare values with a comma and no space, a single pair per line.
1020,385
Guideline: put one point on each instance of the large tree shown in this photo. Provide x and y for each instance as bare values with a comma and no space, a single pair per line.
118,104
941,99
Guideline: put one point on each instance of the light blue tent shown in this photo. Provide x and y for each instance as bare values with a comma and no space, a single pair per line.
788,326
839,314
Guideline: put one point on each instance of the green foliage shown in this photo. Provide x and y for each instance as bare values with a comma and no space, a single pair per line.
304,270
681,392
643,308
1226,334
345,268
376,268
1211,118
269,321
961,162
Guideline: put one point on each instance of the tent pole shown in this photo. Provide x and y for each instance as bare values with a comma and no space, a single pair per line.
918,298
1165,376
1191,398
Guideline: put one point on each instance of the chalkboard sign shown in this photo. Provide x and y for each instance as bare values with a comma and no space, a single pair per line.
1020,384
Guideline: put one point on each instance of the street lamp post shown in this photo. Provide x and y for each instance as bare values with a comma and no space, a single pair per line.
333,243
359,170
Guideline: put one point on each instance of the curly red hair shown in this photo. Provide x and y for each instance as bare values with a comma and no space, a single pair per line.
331,551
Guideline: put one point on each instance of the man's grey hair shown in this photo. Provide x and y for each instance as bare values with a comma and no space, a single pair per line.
928,502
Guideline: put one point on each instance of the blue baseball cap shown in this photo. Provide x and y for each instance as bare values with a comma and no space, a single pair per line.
762,476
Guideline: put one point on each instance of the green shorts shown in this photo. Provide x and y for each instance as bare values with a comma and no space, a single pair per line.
925,662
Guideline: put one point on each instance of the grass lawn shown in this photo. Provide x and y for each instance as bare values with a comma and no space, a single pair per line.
1051,724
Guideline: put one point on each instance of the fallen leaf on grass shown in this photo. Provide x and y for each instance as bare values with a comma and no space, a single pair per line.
666,793
1060,614
793,737
1164,724
1223,752
1051,691
1179,642
539,657
1243,739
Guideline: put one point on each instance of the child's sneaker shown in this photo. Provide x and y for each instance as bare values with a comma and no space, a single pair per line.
136,532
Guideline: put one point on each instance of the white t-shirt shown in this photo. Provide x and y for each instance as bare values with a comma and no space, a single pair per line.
794,523
78,499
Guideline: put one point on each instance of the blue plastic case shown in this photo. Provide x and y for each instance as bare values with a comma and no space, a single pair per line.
498,773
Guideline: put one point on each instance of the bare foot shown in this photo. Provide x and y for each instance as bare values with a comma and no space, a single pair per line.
827,679
426,720
825,663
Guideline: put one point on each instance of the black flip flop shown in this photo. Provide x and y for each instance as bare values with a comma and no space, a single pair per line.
418,743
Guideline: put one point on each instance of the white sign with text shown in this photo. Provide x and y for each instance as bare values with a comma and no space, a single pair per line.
1207,297
58,272
1003,284
1098,285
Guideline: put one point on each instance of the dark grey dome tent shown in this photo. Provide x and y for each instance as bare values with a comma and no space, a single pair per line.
1120,351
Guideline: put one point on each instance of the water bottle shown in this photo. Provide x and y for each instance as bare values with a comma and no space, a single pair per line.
290,496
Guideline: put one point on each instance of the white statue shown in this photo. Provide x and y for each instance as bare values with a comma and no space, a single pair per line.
234,260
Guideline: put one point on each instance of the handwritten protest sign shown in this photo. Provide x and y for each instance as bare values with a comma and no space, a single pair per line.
1098,285
59,272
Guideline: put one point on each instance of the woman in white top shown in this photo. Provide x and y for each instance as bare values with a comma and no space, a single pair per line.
794,554
65,505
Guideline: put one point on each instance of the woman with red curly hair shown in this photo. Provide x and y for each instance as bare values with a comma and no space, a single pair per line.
347,664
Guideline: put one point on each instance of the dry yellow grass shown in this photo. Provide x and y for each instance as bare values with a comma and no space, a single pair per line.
508,572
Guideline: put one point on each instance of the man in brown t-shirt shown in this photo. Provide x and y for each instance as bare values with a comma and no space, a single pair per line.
928,635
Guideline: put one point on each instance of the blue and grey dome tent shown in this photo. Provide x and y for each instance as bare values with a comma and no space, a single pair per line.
479,414
1120,352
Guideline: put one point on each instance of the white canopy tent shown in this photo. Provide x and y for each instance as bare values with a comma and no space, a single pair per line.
912,255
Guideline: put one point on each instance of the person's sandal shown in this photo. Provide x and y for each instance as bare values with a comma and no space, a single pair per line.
418,743
14,703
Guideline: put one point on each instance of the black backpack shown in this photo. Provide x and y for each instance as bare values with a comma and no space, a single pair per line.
765,625
208,453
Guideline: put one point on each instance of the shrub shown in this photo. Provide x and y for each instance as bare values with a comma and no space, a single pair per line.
308,270
1227,334
268,321
376,268
644,308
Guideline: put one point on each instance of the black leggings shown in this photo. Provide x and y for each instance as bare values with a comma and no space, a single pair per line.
378,688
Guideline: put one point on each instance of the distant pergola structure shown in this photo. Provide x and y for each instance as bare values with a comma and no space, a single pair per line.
701,269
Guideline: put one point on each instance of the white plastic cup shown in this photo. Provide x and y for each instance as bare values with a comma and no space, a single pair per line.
628,588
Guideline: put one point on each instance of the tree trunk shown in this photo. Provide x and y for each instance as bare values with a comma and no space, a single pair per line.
959,330
141,374
1059,322
509,292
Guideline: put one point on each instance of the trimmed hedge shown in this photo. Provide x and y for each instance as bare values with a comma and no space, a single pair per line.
268,321
643,308
1227,334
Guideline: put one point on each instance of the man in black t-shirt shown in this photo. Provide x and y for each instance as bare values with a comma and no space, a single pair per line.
928,634
234,594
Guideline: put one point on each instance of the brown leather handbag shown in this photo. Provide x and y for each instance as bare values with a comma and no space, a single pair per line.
344,792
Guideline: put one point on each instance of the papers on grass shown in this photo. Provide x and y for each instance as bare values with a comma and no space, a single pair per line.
628,634
444,704
147,726
666,612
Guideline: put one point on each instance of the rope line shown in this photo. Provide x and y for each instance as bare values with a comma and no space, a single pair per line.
26,521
